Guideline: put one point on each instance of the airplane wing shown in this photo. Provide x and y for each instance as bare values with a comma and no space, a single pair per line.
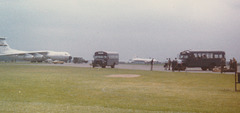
37,52
24,55
25,52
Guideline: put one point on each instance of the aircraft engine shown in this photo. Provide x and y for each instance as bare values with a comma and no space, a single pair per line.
38,57
28,57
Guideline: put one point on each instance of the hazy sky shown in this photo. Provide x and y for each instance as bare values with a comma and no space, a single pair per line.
143,28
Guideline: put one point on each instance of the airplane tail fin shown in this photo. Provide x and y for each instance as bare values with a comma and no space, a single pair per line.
3,45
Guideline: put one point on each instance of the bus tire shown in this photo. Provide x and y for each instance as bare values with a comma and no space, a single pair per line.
211,66
103,66
112,66
183,68
204,68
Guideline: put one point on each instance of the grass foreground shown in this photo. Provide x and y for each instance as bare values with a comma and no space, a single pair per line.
53,89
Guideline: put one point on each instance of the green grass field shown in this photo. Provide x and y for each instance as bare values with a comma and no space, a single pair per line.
52,89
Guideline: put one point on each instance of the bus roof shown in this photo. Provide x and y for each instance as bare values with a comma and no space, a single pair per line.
202,52
108,52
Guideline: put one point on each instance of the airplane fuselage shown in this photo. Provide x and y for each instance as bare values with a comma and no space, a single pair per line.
8,54
62,56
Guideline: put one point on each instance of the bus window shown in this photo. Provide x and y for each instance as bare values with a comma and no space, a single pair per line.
216,56
113,56
199,55
191,56
209,55
204,55
195,54
100,57
183,56
220,56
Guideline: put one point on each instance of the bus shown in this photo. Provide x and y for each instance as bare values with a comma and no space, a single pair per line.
203,59
103,59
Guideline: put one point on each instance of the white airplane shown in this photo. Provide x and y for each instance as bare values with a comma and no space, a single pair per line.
9,54
142,60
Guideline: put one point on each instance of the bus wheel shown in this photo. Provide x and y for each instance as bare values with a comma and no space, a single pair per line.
183,68
211,67
112,66
103,66
204,68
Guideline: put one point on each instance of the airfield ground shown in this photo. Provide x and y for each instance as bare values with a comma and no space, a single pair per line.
61,89
132,67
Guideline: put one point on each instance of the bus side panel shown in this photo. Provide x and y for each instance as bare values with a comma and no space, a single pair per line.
112,59
205,63
204,59
194,62
110,62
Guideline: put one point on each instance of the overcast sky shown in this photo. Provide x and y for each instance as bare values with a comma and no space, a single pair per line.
143,28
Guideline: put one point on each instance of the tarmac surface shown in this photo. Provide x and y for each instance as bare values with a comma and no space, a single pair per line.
135,67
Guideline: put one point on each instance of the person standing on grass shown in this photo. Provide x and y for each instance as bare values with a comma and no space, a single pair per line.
151,64
234,64
174,64
222,64
231,64
169,63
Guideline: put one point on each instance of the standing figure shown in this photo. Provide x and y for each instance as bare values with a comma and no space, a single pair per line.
165,66
169,63
151,64
234,64
231,64
222,64
174,65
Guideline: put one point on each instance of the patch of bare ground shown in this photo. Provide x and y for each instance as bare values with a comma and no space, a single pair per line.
124,75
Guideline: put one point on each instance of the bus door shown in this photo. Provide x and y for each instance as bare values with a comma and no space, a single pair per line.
195,60
109,60
205,62
217,58
190,60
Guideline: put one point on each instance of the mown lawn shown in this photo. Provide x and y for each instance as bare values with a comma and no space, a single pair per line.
28,89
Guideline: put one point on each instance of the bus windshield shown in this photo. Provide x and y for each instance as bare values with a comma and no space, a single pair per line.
183,56
100,57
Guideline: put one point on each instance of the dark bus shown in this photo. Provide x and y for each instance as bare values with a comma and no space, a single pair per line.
103,59
204,59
